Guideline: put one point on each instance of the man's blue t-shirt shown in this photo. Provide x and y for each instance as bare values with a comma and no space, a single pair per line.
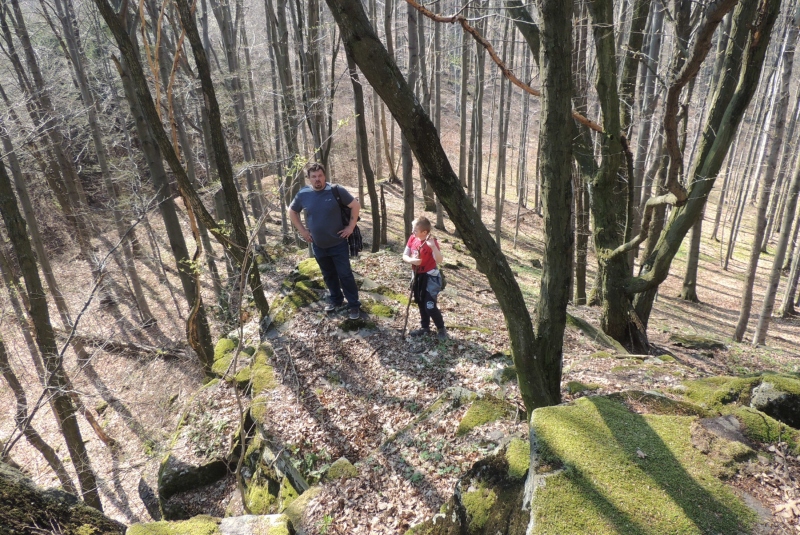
323,214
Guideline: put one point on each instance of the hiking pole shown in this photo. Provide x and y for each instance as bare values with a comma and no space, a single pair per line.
408,306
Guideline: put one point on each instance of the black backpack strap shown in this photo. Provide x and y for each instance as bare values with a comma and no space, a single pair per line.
337,195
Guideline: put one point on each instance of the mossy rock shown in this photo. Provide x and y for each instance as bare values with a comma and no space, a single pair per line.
297,510
288,493
666,358
308,269
602,355
628,473
488,498
25,508
258,409
761,427
518,455
262,499
778,396
714,392
482,411
505,375
199,525
224,347
696,342
341,469
575,387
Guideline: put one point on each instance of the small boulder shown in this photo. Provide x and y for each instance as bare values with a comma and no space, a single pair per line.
779,399
341,469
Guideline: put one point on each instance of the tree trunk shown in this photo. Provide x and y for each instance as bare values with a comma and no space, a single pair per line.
57,383
536,383
766,188
361,132
689,289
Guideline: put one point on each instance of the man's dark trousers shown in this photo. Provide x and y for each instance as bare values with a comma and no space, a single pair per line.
334,262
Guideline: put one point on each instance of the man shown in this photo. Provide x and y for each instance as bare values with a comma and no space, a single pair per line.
328,236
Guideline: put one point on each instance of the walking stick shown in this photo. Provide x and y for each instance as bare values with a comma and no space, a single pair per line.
408,306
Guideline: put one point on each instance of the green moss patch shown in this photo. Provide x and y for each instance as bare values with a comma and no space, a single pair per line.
713,392
518,455
341,469
482,411
478,505
574,387
377,309
594,333
666,358
199,525
650,403
224,347
628,473
297,509
760,427
602,355
391,294
288,493
259,500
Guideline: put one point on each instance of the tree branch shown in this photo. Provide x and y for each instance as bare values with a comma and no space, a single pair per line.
507,72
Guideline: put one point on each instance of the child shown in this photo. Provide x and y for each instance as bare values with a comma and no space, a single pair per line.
422,252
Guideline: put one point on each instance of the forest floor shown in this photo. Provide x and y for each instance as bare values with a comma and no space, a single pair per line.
345,395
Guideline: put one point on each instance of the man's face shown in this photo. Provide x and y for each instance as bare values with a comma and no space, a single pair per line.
317,179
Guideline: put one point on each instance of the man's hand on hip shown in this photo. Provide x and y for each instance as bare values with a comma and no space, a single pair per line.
346,231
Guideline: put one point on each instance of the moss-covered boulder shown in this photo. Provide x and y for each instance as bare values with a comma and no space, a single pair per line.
768,405
341,469
626,472
488,499
297,510
778,396
25,508
199,525
207,525
484,410
632,463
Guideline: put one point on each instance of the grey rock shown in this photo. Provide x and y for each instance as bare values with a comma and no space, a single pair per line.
781,405
251,524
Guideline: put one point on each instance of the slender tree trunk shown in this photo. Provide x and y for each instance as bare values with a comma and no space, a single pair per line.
766,188
57,382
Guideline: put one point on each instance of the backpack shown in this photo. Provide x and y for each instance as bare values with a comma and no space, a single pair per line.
354,241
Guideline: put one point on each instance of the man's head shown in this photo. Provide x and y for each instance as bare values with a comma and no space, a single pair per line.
316,176
422,227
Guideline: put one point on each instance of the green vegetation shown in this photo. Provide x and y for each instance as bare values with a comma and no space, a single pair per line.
762,428
199,525
288,493
377,309
483,411
627,473
391,294
478,504
341,469
574,387
518,455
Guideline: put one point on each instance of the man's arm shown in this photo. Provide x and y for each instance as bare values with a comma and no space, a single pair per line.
295,218
355,209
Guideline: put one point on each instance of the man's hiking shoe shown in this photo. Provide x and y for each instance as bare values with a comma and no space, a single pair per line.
419,332
355,313
330,307
441,334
